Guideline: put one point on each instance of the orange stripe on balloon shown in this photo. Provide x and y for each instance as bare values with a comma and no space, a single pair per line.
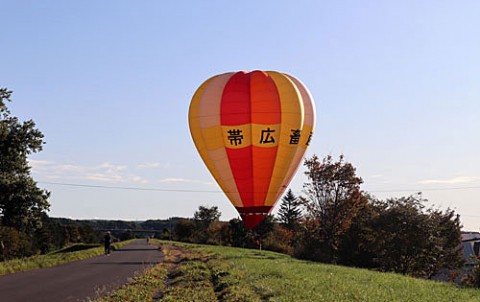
264,98
265,108
292,120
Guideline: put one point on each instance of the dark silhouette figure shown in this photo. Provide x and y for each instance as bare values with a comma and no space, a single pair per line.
108,241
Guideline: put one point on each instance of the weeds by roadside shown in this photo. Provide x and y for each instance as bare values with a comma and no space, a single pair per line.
185,275
53,259
197,276
142,288
203,273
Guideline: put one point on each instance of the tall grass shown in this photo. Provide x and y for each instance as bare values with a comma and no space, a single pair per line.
141,288
52,259
277,277
211,273
185,276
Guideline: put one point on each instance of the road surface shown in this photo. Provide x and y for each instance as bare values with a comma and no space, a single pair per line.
80,280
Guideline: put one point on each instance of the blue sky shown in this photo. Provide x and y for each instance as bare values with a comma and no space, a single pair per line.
109,83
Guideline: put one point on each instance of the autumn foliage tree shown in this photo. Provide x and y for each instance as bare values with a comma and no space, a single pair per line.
332,200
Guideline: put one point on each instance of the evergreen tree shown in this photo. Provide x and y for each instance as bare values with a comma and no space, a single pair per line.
290,211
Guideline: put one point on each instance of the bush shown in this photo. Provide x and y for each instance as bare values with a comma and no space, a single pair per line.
14,244
402,236
279,240
184,230
310,244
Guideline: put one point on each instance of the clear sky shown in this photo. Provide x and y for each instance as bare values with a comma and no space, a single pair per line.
396,85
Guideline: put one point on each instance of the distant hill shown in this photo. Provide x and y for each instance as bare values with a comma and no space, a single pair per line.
105,224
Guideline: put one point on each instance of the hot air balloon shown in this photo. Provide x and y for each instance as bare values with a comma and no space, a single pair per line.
252,130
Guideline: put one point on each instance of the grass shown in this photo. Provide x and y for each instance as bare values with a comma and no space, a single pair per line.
277,277
211,273
58,257
185,275
76,247
143,287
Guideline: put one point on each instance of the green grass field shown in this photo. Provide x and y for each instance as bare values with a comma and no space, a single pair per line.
211,273
68,254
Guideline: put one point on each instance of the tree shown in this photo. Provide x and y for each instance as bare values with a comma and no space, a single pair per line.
205,215
203,218
50,237
417,241
262,230
22,203
358,247
183,230
279,240
290,213
238,233
14,244
401,235
333,198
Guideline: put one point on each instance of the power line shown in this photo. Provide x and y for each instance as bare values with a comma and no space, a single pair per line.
218,191
125,188
430,189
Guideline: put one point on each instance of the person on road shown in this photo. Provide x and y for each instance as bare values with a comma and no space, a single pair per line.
108,241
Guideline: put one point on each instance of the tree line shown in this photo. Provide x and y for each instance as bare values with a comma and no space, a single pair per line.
398,235
334,221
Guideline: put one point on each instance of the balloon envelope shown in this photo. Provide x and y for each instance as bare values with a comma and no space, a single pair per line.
252,130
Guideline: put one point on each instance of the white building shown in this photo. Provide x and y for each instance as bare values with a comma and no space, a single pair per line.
471,247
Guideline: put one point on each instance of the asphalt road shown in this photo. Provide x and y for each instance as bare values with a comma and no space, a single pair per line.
80,280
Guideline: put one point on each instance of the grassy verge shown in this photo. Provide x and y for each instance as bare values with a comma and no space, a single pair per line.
52,259
76,247
201,276
185,275
143,287
276,277
211,273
